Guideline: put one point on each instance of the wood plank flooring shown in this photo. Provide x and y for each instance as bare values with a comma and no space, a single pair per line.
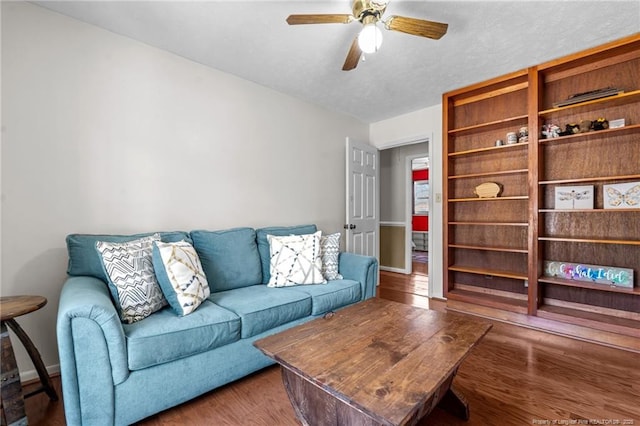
516,376
410,289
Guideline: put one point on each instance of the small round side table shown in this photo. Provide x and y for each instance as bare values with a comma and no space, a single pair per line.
12,400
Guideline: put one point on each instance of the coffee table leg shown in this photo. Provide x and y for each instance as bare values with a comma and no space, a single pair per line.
455,403
316,406
47,386
296,391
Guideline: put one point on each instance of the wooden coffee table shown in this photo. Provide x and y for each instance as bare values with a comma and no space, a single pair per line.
374,363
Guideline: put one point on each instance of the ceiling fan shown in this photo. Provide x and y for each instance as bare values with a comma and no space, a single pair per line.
369,14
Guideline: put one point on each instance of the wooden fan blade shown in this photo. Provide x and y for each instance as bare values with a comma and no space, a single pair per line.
319,19
353,57
418,27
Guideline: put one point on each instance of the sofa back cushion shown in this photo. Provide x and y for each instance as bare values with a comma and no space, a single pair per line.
263,244
84,258
229,258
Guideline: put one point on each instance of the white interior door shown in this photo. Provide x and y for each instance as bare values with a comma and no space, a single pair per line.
362,222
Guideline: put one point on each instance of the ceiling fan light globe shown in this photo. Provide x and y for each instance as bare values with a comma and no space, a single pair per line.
370,38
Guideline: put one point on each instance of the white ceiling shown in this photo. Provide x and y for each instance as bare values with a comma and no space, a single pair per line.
251,39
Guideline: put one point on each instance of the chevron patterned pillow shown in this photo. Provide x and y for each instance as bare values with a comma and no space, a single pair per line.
329,252
130,270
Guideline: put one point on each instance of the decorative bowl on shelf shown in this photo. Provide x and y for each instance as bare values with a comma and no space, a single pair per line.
488,190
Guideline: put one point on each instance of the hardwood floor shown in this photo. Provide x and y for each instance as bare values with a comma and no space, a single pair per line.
515,376
411,289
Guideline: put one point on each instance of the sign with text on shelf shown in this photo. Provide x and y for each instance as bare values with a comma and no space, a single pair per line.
609,275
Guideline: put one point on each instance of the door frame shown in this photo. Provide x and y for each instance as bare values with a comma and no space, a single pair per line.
409,194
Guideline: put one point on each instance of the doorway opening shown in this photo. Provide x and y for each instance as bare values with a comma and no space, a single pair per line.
398,203
404,208
419,186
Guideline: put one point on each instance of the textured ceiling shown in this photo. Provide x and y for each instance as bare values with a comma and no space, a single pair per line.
251,39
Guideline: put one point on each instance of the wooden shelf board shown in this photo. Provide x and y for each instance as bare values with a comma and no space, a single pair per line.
491,94
587,285
619,99
499,173
488,149
591,179
490,223
488,124
491,272
590,240
588,210
595,58
498,302
588,135
491,291
567,329
492,86
514,197
598,321
500,249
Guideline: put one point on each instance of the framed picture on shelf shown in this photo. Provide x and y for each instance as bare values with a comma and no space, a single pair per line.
574,197
622,195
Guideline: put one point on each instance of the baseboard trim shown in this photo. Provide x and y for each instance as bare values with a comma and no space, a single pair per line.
29,376
391,269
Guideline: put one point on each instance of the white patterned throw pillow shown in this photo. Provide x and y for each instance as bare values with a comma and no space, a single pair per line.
330,252
180,276
129,267
295,259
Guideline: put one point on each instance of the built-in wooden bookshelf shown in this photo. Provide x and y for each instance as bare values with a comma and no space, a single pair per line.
495,248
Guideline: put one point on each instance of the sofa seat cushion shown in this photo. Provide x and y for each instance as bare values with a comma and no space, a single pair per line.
332,295
164,336
262,308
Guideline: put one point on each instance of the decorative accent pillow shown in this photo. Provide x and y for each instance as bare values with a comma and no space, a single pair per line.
295,259
180,275
329,253
132,280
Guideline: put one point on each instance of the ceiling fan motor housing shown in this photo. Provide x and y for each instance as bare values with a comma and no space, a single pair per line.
362,9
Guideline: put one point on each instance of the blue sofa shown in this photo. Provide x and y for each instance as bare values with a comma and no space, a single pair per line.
116,374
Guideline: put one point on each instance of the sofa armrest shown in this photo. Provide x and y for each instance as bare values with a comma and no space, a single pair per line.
360,268
92,349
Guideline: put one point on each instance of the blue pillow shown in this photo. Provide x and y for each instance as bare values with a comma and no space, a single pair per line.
278,231
229,258
84,259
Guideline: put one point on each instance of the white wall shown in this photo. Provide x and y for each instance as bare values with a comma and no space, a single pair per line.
103,134
418,125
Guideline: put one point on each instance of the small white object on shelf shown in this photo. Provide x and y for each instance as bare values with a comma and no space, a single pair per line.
615,124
